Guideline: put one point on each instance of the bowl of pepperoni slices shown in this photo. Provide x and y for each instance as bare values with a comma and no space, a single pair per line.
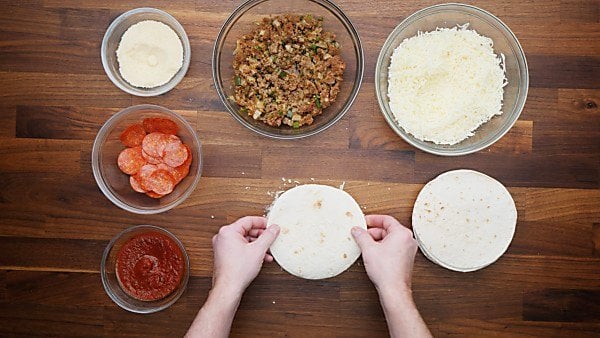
147,159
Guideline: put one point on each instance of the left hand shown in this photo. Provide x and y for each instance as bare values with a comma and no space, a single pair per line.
239,251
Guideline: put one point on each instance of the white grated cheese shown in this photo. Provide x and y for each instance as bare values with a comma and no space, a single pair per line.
444,84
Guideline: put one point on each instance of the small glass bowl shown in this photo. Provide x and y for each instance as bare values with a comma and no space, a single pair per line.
111,283
242,21
111,40
114,184
505,42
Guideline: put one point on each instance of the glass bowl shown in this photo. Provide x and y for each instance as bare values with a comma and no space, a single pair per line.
114,184
111,283
111,40
242,21
448,16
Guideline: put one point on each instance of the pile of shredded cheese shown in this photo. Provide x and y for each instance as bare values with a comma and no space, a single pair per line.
444,84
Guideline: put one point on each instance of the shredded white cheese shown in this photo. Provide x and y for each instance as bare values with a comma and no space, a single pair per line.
444,84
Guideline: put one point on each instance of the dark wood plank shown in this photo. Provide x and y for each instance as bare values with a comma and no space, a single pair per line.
19,320
565,171
550,71
51,254
69,122
562,305
392,166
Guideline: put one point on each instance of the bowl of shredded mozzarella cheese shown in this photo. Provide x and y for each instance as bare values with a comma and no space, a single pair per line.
451,79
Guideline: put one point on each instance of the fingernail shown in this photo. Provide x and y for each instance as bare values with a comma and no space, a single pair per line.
274,228
355,231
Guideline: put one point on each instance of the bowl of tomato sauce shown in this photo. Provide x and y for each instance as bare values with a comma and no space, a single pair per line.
145,269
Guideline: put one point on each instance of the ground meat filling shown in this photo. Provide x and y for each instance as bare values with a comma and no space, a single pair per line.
287,70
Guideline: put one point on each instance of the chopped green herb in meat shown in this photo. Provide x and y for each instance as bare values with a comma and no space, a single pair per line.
287,70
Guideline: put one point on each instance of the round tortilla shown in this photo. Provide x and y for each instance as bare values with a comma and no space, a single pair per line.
315,240
464,220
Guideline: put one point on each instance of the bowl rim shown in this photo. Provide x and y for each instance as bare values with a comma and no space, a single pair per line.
174,81
103,276
522,98
346,22
101,136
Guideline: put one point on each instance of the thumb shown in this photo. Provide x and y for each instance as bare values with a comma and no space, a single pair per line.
267,238
362,237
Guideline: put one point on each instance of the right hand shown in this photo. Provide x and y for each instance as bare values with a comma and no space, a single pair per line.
388,251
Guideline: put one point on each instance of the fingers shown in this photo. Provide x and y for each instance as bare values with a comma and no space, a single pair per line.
381,221
267,237
268,258
255,232
377,233
362,237
245,224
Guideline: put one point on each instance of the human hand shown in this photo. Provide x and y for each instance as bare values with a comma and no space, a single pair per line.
239,251
388,251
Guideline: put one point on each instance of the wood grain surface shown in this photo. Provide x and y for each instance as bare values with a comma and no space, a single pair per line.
55,222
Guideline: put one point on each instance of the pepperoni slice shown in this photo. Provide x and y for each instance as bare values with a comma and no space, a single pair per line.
133,135
151,159
144,174
175,153
135,184
188,161
184,169
171,170
153,194
159,124
161,182
154,144
130,160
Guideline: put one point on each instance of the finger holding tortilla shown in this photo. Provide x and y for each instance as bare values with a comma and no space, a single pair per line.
315,240
381,221
377,233
247,223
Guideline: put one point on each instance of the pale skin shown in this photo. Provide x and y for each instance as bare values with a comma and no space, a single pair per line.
388,250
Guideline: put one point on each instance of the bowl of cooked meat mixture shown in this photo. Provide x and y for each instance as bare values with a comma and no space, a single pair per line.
287,69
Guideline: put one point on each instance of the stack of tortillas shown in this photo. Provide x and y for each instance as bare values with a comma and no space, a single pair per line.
315,240
464,220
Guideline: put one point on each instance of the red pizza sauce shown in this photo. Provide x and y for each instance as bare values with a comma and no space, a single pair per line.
150,266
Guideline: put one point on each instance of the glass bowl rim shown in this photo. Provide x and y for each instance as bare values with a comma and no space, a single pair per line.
482,14
358,49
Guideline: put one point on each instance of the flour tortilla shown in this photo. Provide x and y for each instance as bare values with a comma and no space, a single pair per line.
315,240
464,220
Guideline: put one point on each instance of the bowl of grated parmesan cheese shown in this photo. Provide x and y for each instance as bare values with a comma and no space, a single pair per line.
145,52
451,79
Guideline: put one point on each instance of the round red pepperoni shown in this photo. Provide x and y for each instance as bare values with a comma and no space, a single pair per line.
161,182
171,171
153,194
151,159
159,124
133,135
144,174
175,153
182,171
188,160
130,160
135,184
154,144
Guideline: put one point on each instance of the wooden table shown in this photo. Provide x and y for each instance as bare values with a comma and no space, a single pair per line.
55,222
